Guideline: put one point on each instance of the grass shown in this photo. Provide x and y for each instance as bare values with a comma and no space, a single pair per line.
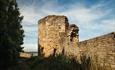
61,62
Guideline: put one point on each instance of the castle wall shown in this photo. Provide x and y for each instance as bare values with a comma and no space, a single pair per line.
102,47
55,35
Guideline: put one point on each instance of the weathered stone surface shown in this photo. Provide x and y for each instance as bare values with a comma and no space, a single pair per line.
102,47
55,34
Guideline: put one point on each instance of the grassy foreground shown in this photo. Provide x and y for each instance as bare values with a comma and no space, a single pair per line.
60,63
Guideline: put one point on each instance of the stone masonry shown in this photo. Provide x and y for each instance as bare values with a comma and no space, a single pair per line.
57,36
102,47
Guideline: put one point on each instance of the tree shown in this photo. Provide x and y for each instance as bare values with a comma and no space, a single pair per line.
11,32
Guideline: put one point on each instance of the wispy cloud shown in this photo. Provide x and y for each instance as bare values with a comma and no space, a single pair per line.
30,27
93,21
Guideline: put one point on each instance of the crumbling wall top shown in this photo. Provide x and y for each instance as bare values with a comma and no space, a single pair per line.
51,18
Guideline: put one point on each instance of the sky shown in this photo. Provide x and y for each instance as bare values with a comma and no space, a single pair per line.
93,17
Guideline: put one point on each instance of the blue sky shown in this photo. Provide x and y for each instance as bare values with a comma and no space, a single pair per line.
93,17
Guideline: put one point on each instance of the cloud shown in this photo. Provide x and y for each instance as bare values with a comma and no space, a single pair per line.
29,25
108,24
92,21
29,14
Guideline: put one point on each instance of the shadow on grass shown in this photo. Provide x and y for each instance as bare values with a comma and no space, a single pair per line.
59,63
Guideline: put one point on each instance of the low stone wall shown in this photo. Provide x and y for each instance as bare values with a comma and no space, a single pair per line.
102,48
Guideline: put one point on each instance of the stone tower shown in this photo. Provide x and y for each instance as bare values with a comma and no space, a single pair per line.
55,35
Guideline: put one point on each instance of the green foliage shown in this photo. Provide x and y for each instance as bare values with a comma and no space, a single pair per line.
11,32
56,63
61,62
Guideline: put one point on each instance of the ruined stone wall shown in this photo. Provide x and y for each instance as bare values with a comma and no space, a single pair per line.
102,48
55,35
71,48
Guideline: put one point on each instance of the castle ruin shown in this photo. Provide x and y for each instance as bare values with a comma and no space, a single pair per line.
57,36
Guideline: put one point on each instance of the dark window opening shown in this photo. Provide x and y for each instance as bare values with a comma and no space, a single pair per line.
42,49
114,36
63,51
71,39
59,27
54,52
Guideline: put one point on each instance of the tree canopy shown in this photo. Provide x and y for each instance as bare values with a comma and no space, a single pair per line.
11,32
